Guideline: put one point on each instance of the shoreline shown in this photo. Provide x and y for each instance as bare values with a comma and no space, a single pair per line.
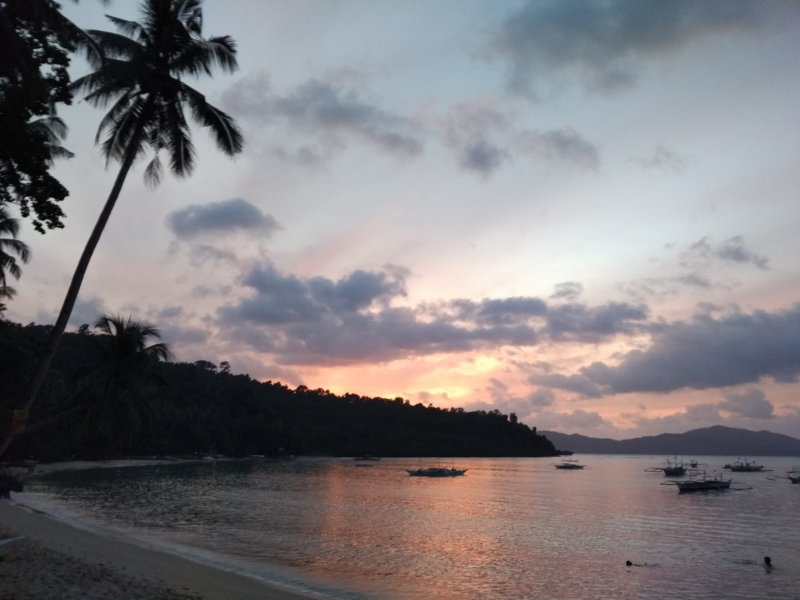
55,559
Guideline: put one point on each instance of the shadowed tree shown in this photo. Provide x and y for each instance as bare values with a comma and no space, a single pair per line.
9,247
37,43
120,402
140,75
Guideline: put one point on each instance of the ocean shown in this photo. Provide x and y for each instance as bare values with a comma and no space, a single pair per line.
510,528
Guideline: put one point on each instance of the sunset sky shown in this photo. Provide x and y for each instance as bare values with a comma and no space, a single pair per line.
582,212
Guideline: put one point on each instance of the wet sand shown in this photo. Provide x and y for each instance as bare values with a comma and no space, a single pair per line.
54,560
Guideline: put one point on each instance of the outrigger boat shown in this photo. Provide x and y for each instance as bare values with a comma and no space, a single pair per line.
436,472
793,475
703,485
569,464
671,468
744,466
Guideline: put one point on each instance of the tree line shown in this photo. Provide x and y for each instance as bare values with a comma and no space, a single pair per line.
111,396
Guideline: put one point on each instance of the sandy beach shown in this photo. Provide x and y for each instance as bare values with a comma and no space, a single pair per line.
54,560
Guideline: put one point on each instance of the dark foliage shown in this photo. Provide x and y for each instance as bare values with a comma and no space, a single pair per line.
199,407
37,41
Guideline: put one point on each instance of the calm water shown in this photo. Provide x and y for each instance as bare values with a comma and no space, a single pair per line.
510,528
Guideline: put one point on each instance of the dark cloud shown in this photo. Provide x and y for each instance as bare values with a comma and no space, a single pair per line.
605,43
220,217
506,311
472,130
563,146
705,251
484,138
734,250
322,109
85,312
700,354
568,290
750,403
506,402
582,323
663,159
482,156
321,321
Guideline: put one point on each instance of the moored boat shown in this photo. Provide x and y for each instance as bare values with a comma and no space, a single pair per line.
703,484
436,472
744,466
569,464
671,468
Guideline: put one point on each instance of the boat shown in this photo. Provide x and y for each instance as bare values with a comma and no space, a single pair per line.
569,464
793,475
436,472
671,468
704,484
366,457
744,466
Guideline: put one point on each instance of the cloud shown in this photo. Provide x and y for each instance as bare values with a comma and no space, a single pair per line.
568,290
663,159
582,323
86,311
693,416
733,250
472,130
484,138
750,403
604,45
323,110
507,402
356,319
220,217
700,354
563,146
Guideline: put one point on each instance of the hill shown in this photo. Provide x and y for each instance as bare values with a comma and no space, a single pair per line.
716,440
94,405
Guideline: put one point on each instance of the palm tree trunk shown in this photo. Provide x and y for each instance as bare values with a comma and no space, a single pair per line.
57,332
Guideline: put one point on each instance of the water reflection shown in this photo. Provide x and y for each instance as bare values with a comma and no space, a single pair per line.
510,528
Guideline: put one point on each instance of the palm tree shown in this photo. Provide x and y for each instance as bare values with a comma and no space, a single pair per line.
140,73
118,395
10,246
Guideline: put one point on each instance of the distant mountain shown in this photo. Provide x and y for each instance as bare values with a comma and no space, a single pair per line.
716,440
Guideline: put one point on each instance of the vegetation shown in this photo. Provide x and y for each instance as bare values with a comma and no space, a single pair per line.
11,249
186,408
37,43
139,72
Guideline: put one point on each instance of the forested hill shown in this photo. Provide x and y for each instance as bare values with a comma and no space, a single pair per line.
92,408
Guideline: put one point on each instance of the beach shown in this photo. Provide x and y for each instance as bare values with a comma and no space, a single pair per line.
54,560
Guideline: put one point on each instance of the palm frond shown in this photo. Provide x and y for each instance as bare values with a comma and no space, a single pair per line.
180,147
115,45
153,173
17,247
225,130
201,55
131,29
